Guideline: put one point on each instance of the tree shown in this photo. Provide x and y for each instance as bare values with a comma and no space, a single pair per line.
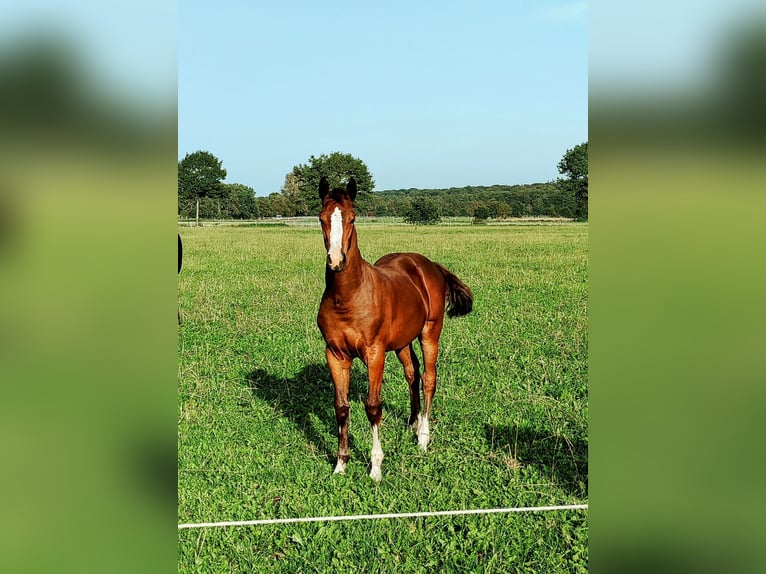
574,165
742,82
480,214
302,183
209,208
423,210
279,205
292,192
239,201
199,175
504,211
265,209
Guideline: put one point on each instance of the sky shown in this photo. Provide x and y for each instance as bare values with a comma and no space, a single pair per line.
128,50
657,47
428,94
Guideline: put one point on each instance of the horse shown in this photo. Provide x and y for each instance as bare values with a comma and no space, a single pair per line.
369,310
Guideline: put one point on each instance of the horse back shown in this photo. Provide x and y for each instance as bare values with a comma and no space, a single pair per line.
413,270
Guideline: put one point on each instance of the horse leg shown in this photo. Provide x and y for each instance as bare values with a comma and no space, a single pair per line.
340,369
412,374
376,361
429,343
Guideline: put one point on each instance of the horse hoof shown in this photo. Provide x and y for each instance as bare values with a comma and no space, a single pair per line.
340,468
376,474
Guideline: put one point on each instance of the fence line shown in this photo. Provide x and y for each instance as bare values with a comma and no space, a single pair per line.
313,221
380,516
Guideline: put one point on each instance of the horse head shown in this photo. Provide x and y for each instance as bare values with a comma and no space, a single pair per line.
337,220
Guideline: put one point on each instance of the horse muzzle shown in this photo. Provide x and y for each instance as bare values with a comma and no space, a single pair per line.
336,263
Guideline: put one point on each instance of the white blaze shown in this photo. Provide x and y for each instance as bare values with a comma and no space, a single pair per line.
336,237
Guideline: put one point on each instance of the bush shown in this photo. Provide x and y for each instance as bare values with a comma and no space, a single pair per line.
422,211
480,214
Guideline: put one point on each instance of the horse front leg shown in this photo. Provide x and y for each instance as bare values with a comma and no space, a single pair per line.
340,369
376,361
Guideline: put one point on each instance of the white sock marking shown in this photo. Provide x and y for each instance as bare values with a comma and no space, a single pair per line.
424,434
376,456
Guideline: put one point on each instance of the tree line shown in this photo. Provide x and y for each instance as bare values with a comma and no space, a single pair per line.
202,193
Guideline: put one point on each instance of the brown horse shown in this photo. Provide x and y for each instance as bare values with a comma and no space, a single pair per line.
368,310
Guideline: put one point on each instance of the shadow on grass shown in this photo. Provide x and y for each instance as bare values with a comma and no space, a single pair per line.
562,459
306,399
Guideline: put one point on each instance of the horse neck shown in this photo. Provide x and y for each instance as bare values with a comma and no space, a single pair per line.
345,283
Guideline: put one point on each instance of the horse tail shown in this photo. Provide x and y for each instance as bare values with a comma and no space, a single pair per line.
459,296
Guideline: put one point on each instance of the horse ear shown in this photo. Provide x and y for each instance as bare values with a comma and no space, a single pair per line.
324,187
351,188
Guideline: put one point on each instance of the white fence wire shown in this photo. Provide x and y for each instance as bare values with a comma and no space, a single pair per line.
266,522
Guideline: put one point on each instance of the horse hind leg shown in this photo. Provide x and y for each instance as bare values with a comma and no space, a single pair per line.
429,342
409,361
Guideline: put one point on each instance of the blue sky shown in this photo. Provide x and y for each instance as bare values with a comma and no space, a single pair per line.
659,47
427,93
127,50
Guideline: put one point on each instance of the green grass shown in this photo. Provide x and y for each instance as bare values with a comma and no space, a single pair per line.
256,425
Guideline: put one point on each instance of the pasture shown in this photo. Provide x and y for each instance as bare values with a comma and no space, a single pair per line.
257,436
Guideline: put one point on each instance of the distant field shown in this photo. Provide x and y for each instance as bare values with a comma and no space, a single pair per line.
256,425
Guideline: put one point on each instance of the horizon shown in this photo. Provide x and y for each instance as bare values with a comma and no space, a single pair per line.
407,189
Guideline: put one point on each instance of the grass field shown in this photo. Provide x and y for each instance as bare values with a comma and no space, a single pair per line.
256,425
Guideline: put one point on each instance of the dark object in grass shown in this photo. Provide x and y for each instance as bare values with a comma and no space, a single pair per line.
180,264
